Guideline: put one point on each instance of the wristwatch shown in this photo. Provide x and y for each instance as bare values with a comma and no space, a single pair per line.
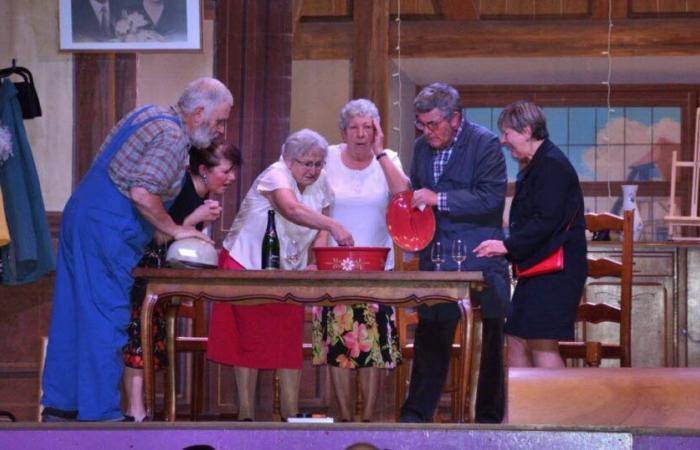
380,155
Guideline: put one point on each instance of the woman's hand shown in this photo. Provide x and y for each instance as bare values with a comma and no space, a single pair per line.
342,236
489,248
378,142
208,212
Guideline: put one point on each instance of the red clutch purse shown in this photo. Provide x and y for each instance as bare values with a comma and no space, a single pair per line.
552,263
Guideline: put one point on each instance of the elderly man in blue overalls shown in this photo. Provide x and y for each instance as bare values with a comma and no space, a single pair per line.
106,223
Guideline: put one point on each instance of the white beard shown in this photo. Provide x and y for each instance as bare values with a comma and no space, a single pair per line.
201,137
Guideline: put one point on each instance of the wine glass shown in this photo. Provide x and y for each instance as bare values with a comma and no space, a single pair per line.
292,252
436,255
459,253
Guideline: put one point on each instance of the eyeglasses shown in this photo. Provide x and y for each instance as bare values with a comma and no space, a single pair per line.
310,164
432,125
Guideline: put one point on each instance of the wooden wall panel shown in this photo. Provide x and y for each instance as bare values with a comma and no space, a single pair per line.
24,317
105,90
370,60
253,58
325,8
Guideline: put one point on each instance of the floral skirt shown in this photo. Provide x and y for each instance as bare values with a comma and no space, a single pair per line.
133,352
354,336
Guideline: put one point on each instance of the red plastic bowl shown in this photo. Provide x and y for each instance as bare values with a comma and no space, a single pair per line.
409,227
351,259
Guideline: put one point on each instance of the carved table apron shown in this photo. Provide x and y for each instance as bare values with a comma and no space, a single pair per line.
309,288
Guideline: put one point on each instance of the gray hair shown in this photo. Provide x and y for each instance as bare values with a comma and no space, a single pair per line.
522,114
5,144
302,142
360,107
205,92
438,95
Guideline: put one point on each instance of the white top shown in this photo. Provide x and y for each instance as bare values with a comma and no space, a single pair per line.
361,200
244,239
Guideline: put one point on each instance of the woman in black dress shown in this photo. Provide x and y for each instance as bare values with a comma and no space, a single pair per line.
211,171
547,212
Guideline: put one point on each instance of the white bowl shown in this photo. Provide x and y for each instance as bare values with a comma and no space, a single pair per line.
192,252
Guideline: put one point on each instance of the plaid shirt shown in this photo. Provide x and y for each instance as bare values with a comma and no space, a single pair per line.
154,157
440,159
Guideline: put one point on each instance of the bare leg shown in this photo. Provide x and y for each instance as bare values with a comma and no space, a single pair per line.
369,380
518,352
246,380
545,353
133,385
341,382
289,391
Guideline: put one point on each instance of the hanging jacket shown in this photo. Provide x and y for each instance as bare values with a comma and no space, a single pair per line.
29,255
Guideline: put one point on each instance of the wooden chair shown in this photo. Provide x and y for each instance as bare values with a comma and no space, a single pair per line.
195,343
593,313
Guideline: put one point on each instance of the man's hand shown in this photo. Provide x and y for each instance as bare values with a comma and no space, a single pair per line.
423,197
183,232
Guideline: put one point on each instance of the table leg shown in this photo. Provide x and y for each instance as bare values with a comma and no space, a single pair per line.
170,391
149,304
470,356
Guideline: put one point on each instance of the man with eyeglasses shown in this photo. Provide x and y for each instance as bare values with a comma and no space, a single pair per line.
459,170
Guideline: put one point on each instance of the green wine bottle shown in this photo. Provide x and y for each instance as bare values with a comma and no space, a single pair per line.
270,244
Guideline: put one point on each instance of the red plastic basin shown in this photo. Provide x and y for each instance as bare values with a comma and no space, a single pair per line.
351,259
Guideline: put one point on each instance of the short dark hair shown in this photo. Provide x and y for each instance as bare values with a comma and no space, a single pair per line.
211,156
521,114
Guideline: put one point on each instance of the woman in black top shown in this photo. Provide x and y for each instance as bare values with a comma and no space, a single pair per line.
546,213
211,171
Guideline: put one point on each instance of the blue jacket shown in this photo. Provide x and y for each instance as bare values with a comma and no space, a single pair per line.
29,255
475,181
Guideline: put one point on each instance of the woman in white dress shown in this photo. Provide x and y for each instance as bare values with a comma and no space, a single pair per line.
270,336
363,176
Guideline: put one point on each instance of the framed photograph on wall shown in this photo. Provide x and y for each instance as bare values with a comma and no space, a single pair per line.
128,25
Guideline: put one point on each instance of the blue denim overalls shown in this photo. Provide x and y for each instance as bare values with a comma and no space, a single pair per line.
102,238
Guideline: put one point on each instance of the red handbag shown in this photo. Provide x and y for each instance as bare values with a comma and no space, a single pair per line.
554,262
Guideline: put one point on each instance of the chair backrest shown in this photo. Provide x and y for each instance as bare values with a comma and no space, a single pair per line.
596,313
402,262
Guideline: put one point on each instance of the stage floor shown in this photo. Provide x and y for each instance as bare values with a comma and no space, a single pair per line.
267,435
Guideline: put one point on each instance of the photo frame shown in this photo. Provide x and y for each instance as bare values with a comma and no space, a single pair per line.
130,25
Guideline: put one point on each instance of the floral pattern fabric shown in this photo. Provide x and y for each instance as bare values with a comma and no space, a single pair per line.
132,351
354,336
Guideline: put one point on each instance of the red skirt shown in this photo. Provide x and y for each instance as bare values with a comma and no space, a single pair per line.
266,336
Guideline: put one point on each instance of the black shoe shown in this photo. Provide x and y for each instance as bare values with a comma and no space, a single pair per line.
410,418
127,419
58,415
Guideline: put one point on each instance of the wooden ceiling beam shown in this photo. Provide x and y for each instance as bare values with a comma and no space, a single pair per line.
457,9
462,39
603,9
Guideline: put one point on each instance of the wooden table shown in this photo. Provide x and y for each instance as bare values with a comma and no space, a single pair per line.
309,288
